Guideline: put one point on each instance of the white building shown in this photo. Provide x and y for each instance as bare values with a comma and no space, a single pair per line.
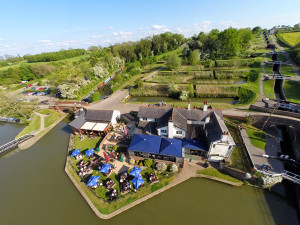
204,125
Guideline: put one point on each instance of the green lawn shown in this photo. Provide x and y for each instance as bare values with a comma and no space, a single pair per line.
34,125
292,91
216,173
269,89
53,116
257,137
86,143
292,38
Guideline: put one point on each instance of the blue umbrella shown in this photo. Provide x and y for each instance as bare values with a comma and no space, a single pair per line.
75,152
138,181
93,181
89,152
135,171
105,168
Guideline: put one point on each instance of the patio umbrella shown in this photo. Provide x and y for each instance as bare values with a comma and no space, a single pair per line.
75,152
135,171
93,181
105,168
137,181
89,152
106,157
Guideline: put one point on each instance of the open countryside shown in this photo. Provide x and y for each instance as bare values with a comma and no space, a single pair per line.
113,120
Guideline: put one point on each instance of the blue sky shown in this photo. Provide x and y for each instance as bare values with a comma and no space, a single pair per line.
33,26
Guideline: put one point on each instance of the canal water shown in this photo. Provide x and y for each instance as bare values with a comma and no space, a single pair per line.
35,190
232,101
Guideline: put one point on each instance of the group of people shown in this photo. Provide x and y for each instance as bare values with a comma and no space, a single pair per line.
113,195
109,183
153,178
84,169
79,156
124,183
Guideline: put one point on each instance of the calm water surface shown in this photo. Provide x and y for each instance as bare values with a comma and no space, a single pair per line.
35,190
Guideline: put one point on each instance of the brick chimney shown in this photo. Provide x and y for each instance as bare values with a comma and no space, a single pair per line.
189,105
170,128
224,137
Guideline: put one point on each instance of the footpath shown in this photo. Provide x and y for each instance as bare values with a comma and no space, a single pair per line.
41,132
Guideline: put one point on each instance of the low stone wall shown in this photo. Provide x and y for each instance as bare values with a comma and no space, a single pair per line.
220,180
278,112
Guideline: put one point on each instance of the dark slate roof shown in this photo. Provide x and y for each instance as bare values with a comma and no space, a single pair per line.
171,147
178,120
194,144
99,115
152,112
146,127
145,143
78,122
164,119
216,127
194,131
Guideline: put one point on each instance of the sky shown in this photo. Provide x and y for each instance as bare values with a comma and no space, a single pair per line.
32,26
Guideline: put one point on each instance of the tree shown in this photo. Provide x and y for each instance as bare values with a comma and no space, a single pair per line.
173,168
161,167
138,82
68,90
94,97
184,95
173,90
194,58
100,71
191,90
257,30
41,70
25,73
174,62
148,162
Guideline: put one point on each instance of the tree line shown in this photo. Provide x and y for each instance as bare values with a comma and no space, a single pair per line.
54,56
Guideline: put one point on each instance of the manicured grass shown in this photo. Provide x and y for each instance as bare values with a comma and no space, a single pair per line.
53,116
34,125
292,38
269,89
292,91
216,173
257,137
86,143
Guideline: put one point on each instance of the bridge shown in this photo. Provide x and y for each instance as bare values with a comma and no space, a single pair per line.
12,144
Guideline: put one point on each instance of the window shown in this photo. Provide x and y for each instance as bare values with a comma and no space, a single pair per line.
145,118
178,132
163,131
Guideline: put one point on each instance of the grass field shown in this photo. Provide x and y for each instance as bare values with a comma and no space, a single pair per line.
216,173
269,89
257,137
292,91
292,38
53,116
34,125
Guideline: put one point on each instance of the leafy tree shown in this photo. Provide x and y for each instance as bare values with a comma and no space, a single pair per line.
26,73
257,30
68,90
95,96
194,58
184,95
138,82
173,168
174,62
41,70
161,167
173,90
191,90
100,71
148,162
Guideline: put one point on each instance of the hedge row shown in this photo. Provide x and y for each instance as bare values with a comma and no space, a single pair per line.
225,74
216,92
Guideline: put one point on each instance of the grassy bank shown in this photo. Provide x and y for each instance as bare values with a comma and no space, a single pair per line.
291,38
52,116
216,173
269,89
292,91
257,137
34,125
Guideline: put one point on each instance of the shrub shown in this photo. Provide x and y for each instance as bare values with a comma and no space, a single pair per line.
94,97
161,167
245,96
148,162
132,161
173,168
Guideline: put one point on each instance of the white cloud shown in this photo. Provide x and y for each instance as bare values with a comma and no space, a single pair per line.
44,41
227,24
160,28
111,28
115,33
1,39
97,36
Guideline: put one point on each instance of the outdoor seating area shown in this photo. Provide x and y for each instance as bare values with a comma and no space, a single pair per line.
153,178
109,184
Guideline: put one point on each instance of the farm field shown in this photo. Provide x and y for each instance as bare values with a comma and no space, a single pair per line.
292,38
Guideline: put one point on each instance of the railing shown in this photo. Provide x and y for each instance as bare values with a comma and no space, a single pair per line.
6,147
291,176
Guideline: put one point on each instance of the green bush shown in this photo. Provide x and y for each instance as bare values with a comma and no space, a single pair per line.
148,162
245,96
94,97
